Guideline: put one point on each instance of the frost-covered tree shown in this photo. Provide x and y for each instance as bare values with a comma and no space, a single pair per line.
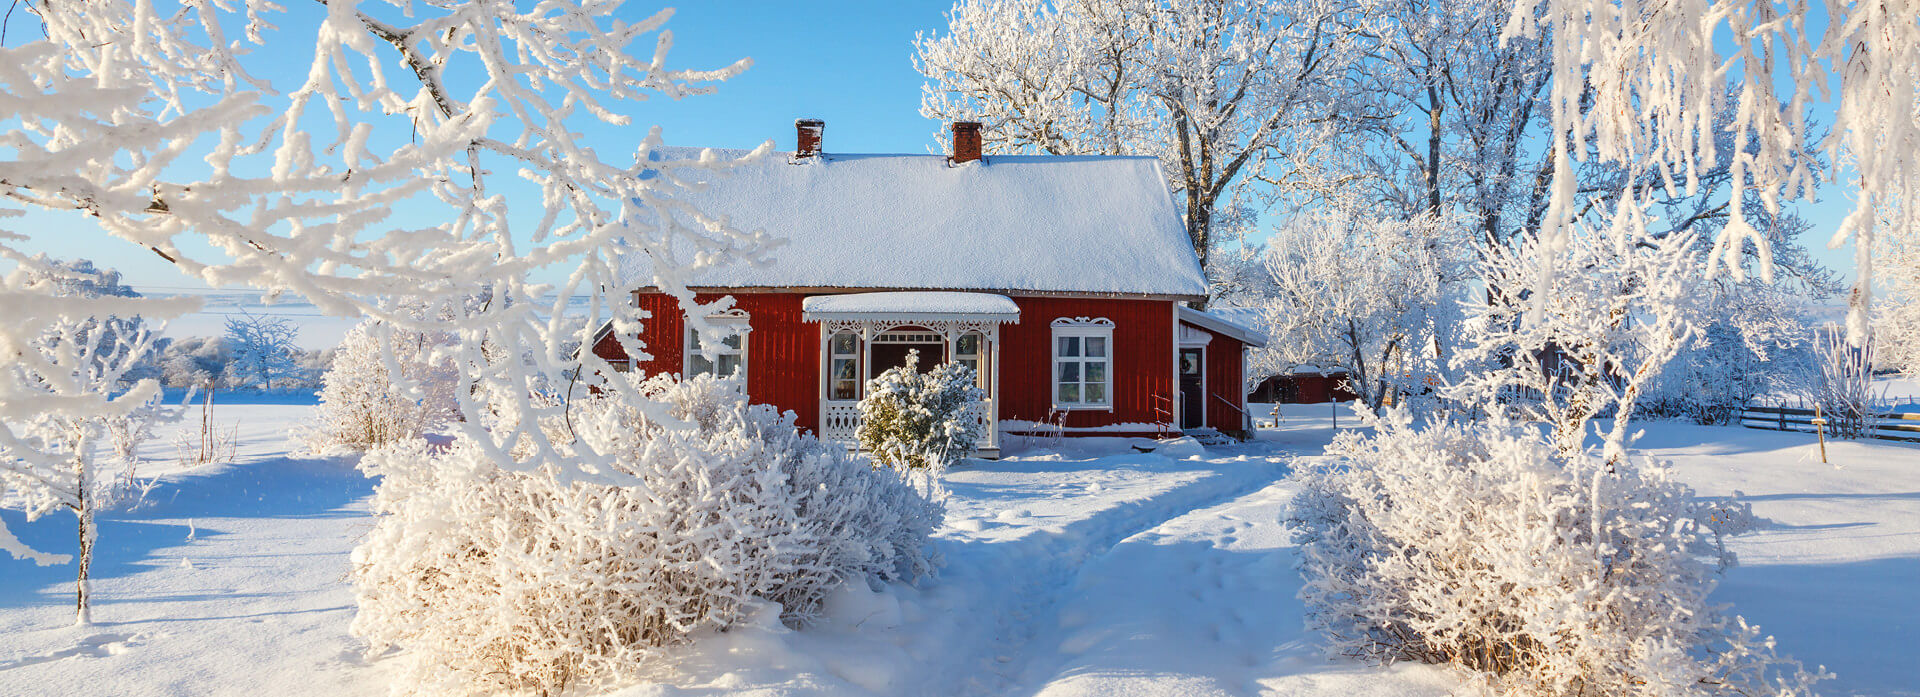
1224,92
266,351
1546,566
81,279
51,453
914,420
194,361
1753,340
362,406
1897,321
1376,295
525,580
160,128
1618,308
1646,86
1455,115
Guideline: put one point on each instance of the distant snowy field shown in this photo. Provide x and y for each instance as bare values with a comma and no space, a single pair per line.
1077,568
317,331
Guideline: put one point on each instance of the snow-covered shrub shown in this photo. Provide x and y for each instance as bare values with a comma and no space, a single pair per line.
915,420
513,579
362,406
1842,384
1487,547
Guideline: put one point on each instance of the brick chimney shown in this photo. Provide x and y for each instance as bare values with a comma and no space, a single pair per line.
807,134
966,141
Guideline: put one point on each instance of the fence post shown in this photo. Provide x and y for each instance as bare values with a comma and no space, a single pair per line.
1820,427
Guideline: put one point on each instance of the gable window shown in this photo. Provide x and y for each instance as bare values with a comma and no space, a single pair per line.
1082,363
728,358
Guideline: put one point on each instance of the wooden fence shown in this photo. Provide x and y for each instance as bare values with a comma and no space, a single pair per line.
1884,425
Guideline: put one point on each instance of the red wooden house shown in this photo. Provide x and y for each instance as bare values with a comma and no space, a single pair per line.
1062,280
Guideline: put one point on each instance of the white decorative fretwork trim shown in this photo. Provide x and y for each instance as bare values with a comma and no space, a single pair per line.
1083,322
948,329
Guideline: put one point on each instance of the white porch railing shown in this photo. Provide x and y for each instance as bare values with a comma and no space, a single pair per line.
840,423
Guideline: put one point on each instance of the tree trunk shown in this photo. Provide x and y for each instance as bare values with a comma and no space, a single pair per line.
83,510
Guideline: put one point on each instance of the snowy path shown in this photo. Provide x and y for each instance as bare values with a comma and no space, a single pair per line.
1203,605
1018,533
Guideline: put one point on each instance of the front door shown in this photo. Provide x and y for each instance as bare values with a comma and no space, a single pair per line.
1193,387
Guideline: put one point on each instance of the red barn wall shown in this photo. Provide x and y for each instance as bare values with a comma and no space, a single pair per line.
1142,360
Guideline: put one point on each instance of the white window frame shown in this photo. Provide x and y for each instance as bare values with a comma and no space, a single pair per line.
1082,328
979,355
858,359
737,323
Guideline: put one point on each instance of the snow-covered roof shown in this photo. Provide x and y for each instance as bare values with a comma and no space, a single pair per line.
1252,318
1069,224
911,305
1218,324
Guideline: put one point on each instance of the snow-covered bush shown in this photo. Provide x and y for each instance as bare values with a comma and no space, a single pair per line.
924,421
522,580
1842,384
1487,547
362,406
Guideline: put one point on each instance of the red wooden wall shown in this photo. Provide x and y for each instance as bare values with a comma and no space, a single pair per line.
1225,360
783,352
1142,359
783,356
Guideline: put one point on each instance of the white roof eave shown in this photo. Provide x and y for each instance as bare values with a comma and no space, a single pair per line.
915,306
1003,318
1202,319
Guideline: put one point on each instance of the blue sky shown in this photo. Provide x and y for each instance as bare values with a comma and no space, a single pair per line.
846,62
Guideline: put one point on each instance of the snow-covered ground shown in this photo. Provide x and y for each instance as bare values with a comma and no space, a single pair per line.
1076,569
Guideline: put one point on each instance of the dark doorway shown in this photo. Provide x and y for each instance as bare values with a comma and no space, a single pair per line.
1193,388
891,355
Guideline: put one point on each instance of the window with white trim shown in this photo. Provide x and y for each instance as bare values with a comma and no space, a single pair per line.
1082,363
843,366
725,359
968,350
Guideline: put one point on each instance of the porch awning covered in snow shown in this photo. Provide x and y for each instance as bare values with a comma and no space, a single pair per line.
911,305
